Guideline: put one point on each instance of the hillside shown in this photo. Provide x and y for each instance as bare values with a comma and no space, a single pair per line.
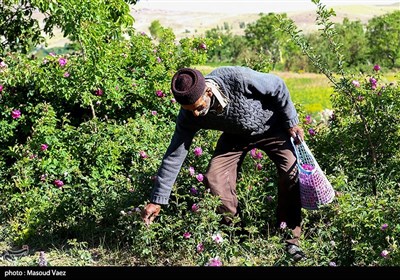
194,23
185,23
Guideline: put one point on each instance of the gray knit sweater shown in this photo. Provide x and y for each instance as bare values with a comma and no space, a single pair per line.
257,102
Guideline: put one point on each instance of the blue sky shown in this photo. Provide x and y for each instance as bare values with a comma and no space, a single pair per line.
250,6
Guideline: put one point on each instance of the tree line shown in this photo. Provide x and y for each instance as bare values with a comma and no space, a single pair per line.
361,44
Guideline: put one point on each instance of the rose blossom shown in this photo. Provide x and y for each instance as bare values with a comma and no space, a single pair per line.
198,151
62,61
59,183
200,177
377,67
200,248
16,114
44,147
214,262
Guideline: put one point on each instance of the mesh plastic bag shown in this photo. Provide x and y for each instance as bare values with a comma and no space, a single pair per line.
315,188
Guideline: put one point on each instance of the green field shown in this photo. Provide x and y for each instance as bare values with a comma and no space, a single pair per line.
312,91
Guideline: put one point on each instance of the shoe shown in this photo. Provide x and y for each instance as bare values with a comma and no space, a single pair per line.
295,252
10,255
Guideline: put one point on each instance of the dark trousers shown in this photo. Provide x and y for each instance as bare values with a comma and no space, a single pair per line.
229,154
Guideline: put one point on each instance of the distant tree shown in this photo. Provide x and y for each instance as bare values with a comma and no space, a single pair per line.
265,37
229,48
351,40
293,58
226,26
155,29
354,42
383,33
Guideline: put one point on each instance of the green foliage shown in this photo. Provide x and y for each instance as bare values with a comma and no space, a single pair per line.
357,102
18,30
361,44
82,135
383,35
155,28
265,38
362,230
365,113
91,23
229,47
353,45
71,119
360,141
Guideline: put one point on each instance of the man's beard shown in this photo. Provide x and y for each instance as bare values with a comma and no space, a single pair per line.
204,112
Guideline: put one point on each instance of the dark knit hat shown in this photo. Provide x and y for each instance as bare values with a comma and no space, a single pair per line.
188,85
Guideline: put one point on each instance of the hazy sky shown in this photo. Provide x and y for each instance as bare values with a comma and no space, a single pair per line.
250,6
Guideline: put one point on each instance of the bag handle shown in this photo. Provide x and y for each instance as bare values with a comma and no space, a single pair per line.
308,151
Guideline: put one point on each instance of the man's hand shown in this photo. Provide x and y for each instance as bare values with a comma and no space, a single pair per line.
150,212
297,133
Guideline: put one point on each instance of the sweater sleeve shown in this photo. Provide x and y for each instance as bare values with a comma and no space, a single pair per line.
273,88
172,161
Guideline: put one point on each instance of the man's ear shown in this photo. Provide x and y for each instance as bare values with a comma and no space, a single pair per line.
209,92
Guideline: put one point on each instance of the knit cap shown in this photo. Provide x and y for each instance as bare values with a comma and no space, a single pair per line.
188,85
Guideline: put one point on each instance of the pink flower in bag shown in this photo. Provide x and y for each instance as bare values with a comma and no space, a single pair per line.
307,166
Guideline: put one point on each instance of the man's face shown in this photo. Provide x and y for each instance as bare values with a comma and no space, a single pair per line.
201,106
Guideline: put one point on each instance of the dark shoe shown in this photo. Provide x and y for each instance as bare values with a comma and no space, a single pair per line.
10,255
295,252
